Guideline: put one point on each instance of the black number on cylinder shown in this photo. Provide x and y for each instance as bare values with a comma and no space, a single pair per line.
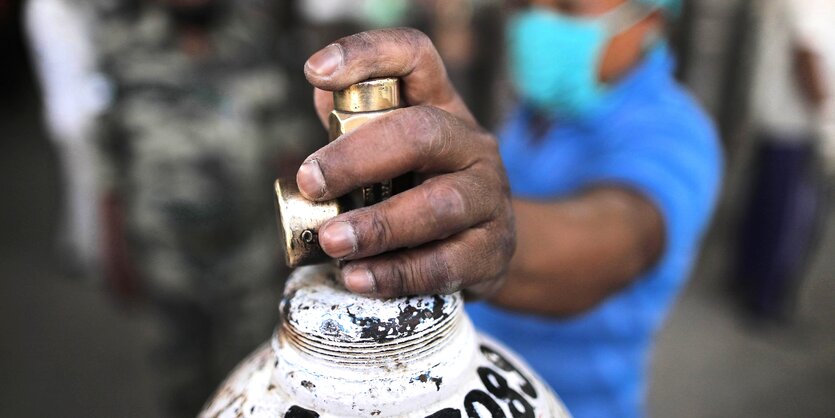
498,387
505,365
446,413
299,412
478,397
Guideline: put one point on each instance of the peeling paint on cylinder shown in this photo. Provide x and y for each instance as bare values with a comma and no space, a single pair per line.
336,354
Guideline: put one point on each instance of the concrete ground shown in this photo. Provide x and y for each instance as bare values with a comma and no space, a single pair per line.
66,350
712,361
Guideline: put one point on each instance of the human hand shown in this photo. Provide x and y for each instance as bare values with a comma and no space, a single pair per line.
452,231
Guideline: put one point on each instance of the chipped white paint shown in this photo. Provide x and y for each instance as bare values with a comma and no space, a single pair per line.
321,309
336,354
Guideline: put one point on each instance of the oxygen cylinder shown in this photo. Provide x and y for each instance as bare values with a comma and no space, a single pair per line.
338,354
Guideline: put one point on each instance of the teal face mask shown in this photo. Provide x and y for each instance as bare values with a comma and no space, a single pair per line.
554,58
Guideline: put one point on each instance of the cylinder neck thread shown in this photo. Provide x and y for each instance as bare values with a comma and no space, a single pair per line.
329,324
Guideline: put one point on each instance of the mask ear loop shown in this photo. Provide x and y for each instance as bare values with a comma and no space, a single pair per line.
627,15
624,17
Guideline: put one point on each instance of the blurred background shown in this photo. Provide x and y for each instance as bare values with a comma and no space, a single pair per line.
101,312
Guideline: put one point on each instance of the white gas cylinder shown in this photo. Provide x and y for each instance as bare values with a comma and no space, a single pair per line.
337,354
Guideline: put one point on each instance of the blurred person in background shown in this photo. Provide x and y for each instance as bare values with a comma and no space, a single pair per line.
793,116
613,170
74,94
204,117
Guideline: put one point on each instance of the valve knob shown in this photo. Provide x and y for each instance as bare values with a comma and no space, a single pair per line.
299,219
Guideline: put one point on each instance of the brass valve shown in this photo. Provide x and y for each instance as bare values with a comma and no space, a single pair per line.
299,219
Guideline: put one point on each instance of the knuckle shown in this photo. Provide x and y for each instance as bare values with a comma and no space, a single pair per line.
361,41
380,233
419,36
417,278
431,272
484,254
507,244
367,45
447,278
487,145
490,145
415,273
427,47
447,206
491,182
430,130
394,277
416,38
406,122
500,231
489,153
487,259
502,245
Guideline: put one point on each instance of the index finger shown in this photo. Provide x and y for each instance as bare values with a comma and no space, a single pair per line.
401,52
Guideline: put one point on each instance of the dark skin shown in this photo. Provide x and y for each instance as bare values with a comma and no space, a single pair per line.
809,76
457,226
457,230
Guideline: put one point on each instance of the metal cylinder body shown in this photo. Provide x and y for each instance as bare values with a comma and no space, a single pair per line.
336,354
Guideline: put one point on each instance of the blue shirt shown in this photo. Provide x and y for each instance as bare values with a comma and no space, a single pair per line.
651,137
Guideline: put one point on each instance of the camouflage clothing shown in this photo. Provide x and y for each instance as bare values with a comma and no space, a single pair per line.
192,144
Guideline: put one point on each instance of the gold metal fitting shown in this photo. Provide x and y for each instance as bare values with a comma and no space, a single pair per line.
369,96
361,103
299,219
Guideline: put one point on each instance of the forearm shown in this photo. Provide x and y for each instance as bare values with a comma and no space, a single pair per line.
572,254
809,76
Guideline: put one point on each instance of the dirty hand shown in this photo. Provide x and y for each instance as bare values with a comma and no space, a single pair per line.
453,231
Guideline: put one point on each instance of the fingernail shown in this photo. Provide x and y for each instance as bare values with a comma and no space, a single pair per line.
338,239
326,61
310,180
360,280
